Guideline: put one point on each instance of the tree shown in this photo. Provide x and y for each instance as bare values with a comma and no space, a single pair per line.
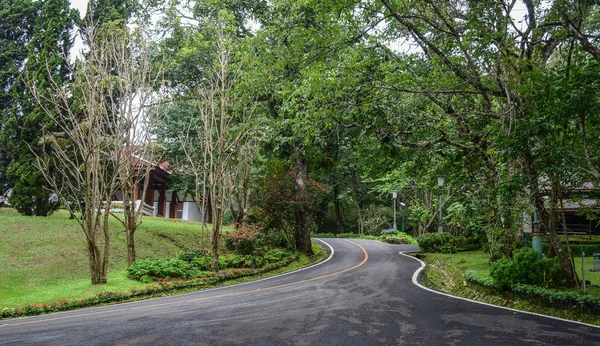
213,145
48,50
296,52
221,135
485,74
137,112
16,30
87,145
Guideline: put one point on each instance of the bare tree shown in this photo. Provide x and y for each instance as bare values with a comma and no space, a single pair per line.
87,147
219,152
135,84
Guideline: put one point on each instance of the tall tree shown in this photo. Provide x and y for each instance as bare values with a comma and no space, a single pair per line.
16,30
48,50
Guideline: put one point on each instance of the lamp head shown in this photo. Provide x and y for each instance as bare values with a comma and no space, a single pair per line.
440,180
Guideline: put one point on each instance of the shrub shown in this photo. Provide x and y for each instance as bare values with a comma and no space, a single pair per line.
525,268
203,262
191,255
438,242
357,236
395,239
323,235
162,268
242,241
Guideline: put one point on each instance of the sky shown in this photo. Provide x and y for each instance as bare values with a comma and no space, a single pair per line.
81,5
518,12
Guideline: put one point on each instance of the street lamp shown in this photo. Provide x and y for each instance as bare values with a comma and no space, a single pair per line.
402,205
440,180
394,197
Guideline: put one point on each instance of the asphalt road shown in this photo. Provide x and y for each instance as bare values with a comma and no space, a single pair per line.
363,295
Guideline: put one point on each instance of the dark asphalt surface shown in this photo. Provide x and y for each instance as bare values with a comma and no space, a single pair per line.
353,299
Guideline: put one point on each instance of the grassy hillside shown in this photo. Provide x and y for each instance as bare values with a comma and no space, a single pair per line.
44,259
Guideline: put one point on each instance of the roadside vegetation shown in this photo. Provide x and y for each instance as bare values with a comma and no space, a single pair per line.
43,262
521,282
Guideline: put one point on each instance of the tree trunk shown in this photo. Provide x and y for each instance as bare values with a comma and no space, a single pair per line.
214,249
302,233
130,213
553,240
338,214
130,248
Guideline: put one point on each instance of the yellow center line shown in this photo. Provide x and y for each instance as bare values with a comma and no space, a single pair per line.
131,308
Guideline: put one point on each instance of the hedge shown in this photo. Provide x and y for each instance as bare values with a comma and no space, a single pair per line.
545,296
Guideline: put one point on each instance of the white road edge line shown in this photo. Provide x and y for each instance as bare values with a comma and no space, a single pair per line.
41,317
417,283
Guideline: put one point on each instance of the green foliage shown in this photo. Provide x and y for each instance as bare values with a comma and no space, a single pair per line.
525,268
439,242
204,262
233,260
274,255
271,239
323,235
474,277
160,269
16,30
23,124
554,297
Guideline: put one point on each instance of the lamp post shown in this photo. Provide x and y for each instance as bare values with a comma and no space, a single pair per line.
440,180
402,205
394,197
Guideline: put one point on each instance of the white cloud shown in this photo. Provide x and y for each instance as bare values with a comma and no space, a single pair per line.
81,5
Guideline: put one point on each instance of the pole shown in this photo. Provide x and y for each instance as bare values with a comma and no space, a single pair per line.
440,228
395,215
402,219
536,241
583,271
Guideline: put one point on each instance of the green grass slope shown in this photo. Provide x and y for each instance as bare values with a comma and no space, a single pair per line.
44,259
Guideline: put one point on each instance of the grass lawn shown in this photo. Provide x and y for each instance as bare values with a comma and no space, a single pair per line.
44,259
478,261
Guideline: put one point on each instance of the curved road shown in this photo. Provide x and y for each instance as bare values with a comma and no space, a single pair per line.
362,296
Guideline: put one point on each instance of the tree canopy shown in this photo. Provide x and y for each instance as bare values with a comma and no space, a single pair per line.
356,97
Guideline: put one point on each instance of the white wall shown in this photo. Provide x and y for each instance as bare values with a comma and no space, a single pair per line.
191,212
